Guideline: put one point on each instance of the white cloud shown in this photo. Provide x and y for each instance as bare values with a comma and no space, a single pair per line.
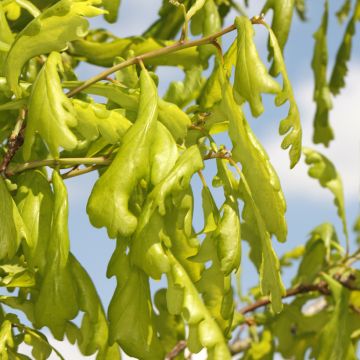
344,151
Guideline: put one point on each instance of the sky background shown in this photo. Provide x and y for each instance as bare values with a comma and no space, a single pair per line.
308,204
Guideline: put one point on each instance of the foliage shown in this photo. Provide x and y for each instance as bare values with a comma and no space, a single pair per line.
146,150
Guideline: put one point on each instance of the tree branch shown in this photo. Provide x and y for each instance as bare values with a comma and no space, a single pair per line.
178,348
211,39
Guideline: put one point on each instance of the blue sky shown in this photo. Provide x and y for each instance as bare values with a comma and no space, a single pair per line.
308,204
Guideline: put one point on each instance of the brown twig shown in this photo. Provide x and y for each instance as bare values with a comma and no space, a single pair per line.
15,141
178,348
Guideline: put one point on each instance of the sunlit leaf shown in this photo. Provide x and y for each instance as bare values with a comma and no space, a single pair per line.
281,23
251,75
323,132
335,344
344,11
51,31
57,301
291,125
13,230
108,204
337,81
112,6
50,112
322,169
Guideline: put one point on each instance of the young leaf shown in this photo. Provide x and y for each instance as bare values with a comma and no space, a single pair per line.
266,260
112,7
263,180
198,4
344,11
323,132
6,38
182,297
12,226
95,119
291,125
57,300
108,204
333,343
251,76
281,23
94,327
211,212
50,112
130,311
50,31
337,81
322,169
35,202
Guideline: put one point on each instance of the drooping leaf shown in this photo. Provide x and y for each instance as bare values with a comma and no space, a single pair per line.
211,212
6,38
323,132
344,11
300,6
261,176
51,31
266,260
195,7
281,23
291,125
183,298
108,204
57,300
50,114
335,341
12,227
337,80
94,327
35,202
322,169
251,75
170,327
112,6
130,311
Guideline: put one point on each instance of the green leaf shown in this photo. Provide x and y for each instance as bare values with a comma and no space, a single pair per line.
281,24
50,112
182,93
112,7
344,11
357,229
335,341
6,38
228,239
323,132
322,169
95,120
104,53
261,176
130,310
182,297
267,262
35,202
291,125
170,327
57,300
251,76
300,6
108,204
51,31
13,229
6,339
317,254
94,332
211,212
337,80
16,275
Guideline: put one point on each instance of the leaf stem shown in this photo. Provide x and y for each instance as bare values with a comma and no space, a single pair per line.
59,162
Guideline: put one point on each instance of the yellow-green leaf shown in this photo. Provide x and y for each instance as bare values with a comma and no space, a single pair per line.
251,75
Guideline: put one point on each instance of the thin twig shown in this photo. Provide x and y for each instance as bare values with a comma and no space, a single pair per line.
178,348
15,141
156,53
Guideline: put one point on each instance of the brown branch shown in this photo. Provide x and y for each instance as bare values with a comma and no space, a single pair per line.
15,141
178,348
